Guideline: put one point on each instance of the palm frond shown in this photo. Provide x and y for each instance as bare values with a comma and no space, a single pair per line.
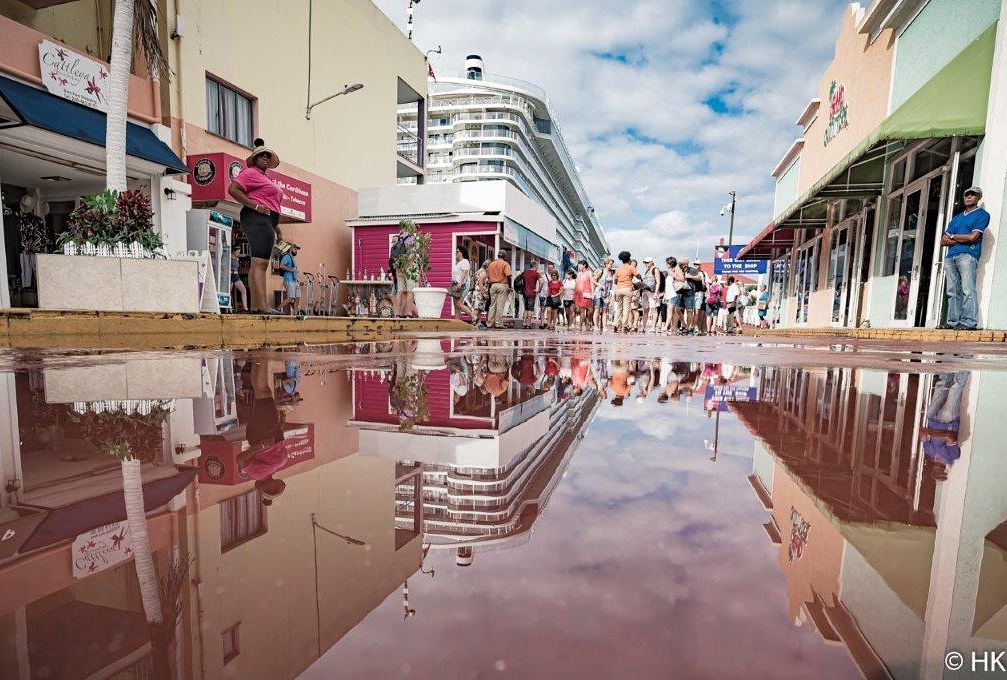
145,32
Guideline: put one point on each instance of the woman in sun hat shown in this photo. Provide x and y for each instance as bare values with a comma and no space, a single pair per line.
260,199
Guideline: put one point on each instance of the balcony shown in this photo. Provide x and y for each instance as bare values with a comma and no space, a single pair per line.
477,152
409,148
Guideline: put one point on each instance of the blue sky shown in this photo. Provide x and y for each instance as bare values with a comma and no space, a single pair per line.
666,105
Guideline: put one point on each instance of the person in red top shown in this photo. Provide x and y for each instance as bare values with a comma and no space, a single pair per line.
532,285
554,302
259,219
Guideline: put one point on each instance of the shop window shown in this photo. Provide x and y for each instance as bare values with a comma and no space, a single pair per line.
229,642
899,174
892,231
228,113
931,158
242,518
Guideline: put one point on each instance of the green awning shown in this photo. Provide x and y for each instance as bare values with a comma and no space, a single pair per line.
953,102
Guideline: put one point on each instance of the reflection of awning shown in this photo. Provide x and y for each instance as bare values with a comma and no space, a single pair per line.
952,103
40,109
68,522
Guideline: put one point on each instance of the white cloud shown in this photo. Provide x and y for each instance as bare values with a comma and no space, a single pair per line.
656,158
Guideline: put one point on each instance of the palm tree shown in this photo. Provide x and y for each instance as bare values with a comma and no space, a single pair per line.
132,19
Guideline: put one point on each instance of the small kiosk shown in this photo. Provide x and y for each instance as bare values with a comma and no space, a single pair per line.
481,217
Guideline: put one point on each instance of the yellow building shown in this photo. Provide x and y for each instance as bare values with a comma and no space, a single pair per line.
240,69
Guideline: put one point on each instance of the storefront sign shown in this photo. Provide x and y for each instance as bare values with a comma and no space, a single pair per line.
725,261
218,462
717,397
73,76
212,174
100,549
837,111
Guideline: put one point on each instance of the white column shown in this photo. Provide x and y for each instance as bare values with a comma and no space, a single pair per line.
992,179
4,286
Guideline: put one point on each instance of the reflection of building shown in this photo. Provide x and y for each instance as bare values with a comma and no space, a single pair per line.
64,574
853,506
484,487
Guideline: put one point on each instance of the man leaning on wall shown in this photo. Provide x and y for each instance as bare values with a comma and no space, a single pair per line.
964,241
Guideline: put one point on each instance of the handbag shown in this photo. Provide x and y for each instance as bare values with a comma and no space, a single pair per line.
456,289
680,285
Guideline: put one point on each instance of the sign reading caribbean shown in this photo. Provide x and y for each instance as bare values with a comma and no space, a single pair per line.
837,111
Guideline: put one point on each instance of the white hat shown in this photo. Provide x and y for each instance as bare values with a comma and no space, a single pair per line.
261,148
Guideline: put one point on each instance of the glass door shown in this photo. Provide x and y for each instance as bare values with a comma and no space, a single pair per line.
905,232
839,272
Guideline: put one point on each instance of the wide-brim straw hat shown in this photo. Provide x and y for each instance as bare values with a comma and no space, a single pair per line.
260,148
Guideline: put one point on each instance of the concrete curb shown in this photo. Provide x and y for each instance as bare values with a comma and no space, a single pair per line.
151,330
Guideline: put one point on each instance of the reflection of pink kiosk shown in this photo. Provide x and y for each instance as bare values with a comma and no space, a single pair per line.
481,217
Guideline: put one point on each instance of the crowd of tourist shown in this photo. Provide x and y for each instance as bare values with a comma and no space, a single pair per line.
622,296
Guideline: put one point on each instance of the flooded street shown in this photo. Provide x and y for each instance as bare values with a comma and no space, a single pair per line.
511,505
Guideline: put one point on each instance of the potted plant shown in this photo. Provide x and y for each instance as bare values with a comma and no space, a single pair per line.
413,262
112,224
140,278
409,397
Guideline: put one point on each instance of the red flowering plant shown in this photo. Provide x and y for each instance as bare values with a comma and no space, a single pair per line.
110,218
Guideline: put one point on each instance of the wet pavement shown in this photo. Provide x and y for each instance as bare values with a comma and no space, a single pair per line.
509,505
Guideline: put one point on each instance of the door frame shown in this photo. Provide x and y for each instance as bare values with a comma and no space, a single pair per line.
852,225
922,185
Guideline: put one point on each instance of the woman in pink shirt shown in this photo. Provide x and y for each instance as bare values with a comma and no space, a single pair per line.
260,219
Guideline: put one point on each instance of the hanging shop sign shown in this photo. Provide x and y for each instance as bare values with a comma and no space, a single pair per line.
725,261
837,111
211,175
218,462
100,549
73,76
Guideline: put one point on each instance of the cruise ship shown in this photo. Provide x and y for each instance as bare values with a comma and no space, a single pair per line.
481,127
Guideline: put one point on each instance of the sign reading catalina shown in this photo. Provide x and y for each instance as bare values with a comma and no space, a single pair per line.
73,76
725,261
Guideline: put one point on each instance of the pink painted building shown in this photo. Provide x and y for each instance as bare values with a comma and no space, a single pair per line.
482,217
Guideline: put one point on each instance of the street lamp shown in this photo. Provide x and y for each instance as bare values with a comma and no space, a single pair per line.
347,89
729,208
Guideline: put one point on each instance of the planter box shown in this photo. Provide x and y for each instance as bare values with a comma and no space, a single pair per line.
110,284
429,301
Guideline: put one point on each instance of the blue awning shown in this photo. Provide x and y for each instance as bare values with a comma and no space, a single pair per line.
40,109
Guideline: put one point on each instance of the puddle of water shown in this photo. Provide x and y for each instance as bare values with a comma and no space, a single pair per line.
523,508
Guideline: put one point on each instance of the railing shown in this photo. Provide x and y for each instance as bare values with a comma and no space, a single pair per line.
486,134
490,115
409,146
482,151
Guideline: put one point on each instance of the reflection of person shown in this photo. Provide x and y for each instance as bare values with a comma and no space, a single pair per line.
964,241
943,419
266,452
259,219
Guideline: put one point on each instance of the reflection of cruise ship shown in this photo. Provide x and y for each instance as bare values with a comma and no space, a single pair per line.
483,485
852,501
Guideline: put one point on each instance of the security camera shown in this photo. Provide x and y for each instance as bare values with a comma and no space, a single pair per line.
723,211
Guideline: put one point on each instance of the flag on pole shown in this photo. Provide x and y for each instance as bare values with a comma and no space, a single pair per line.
430,72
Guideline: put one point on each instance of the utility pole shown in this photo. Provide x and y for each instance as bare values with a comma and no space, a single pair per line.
409,18
730,233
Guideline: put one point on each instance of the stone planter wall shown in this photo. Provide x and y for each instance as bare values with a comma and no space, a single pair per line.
110,284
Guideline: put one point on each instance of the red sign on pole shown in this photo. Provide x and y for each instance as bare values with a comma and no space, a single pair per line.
210,175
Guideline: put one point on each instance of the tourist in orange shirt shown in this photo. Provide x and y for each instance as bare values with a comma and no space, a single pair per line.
498,274
622,298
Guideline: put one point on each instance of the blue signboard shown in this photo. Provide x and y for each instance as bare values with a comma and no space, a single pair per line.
725,261
718,396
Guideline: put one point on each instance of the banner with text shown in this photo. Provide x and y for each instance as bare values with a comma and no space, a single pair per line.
725,261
